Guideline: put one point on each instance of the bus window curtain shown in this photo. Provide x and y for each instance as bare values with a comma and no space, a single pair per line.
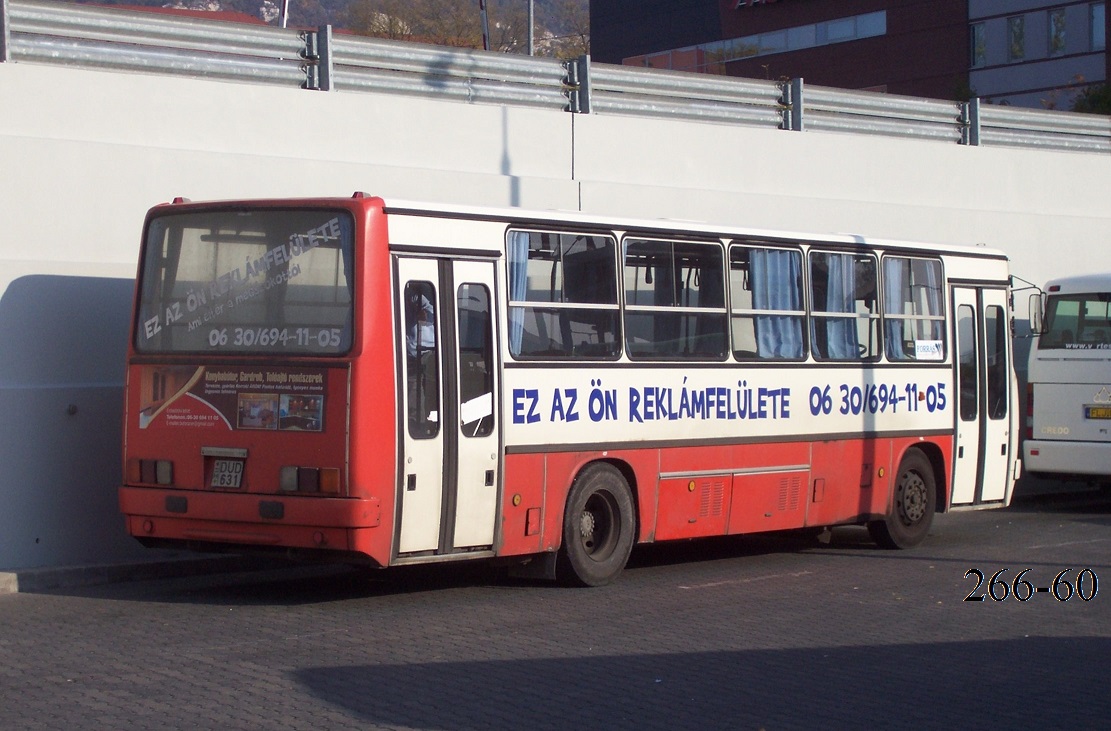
895,281
518,287
933,296
775,286
906,282
840,298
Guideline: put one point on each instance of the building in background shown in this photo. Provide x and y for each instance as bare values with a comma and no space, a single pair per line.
1034,53
1025,52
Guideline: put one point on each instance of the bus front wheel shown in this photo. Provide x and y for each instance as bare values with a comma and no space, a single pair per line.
598,527
912,508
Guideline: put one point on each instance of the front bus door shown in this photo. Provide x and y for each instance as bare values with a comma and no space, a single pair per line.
447,499
981,464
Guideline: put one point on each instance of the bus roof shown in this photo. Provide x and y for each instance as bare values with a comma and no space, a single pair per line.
661,226
1080,283
671,226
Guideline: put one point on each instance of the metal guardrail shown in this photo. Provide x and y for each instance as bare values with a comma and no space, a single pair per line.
1048,130
362,64
648,92
835,110
39,31
52,32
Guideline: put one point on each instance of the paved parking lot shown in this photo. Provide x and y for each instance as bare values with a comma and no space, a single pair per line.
765,632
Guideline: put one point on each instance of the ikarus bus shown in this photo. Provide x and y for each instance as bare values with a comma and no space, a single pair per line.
400,383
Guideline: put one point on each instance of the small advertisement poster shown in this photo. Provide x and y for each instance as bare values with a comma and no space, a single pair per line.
233,398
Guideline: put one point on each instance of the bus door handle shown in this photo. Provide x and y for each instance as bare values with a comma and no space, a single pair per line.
410,483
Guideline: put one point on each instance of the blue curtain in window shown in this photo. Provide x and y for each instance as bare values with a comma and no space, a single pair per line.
841,343
911,287
896,273
933,296
775,286
518,287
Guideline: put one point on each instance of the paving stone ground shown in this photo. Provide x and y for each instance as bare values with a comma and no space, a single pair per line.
765,632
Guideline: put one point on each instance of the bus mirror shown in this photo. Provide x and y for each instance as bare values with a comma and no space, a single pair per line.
1035,314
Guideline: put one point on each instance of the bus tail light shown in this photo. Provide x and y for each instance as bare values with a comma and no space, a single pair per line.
310,479
150,471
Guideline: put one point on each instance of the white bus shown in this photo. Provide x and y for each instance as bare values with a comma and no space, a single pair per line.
1068,408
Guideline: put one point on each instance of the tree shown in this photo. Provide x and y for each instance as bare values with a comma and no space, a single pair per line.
568,28
1095,99
564,25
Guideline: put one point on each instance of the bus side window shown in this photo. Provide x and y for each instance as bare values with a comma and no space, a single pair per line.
675,300
913,314
767,314
562,296
844,315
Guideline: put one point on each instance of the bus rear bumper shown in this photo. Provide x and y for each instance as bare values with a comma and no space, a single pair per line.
1082,459
213,519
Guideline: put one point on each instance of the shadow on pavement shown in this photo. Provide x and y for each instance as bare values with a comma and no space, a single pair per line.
939,685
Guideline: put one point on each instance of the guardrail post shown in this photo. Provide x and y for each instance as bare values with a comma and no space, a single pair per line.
970,122
5,33
792,105
318,51
577,84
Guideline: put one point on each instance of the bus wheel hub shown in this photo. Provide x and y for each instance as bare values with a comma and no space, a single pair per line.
914,500
586,525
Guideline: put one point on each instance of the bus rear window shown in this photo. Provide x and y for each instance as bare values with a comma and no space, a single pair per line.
247,281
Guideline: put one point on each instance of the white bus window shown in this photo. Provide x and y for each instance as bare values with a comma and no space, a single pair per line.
562,296
843,323
674,300
913,314
766,308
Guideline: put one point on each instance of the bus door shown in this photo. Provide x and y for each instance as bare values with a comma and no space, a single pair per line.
449,451
981,464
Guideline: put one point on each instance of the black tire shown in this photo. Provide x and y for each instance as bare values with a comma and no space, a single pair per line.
598,527
912,506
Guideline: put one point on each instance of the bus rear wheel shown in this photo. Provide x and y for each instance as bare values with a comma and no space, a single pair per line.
598,527
912,506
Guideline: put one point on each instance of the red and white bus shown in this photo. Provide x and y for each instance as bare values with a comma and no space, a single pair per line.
404,383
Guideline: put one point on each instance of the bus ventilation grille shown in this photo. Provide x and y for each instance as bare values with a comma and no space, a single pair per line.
713,498
789,490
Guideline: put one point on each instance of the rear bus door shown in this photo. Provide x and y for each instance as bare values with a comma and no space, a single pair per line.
448,491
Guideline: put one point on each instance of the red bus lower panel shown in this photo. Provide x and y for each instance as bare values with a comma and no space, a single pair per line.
249,520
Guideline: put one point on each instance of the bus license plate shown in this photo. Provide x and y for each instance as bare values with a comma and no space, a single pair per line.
227,473
1097,412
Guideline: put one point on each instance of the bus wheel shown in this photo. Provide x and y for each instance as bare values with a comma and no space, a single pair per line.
598,527
912,506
